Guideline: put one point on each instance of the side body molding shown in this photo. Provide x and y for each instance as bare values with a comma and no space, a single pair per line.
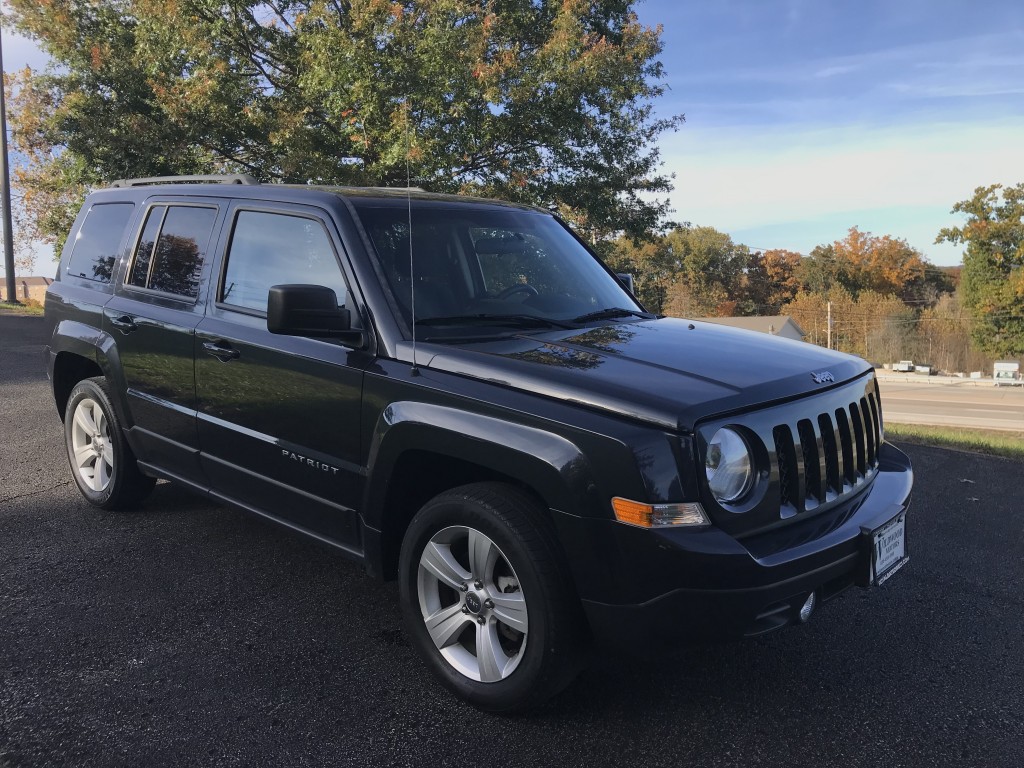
550,464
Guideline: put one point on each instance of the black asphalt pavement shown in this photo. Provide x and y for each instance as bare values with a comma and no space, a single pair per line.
186,634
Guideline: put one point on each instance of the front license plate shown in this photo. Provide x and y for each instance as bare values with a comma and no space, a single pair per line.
889,548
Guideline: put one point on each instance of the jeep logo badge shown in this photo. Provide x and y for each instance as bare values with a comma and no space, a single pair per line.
822,377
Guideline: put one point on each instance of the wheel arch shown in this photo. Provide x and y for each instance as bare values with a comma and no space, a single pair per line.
79,351
420,450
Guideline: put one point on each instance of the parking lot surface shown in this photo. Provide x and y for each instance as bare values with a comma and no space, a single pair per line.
186,634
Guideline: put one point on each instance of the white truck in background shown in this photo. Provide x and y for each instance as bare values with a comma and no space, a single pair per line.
1006,372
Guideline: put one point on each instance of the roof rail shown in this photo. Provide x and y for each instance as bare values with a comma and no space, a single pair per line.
230,178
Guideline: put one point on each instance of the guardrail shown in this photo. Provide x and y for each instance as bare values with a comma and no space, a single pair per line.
919,378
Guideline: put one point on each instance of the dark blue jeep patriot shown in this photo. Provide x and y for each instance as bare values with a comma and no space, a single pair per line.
457,393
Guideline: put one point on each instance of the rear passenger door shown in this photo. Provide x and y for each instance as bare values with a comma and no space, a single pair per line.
279,415
152,317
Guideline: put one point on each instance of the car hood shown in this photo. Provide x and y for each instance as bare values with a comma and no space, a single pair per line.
667,371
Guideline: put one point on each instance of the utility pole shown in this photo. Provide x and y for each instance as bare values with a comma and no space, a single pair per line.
830,325
5,193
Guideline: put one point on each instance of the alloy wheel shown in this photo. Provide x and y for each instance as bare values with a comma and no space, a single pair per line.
472,604
91,446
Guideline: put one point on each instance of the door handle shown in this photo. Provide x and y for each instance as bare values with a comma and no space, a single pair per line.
124,323
222,353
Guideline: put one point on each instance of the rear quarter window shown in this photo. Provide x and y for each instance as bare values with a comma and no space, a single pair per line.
97,245
169,256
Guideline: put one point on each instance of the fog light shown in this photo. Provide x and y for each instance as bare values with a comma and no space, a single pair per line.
808,607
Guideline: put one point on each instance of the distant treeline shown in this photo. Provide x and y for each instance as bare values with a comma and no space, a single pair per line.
888,302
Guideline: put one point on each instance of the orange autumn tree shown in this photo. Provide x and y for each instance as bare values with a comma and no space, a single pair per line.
770,281
885,264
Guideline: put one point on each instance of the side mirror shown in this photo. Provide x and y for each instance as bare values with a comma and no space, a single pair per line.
310,310
627,280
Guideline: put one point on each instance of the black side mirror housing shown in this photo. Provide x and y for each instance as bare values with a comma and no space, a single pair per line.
627,280
310,310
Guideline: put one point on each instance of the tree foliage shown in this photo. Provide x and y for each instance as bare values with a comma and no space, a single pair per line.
542,101
864,262
876,326
650,263
770,281
888,302
821,271
992,280
710,268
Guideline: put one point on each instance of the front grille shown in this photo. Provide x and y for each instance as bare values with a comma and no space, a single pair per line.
827,456
812,454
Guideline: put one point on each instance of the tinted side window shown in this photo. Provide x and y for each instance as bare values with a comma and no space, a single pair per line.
173,261
96,244
144,251
275,249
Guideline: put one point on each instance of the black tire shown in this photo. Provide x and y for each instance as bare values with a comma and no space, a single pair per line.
106,471
528,567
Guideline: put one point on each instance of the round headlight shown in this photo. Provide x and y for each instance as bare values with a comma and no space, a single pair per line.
728,466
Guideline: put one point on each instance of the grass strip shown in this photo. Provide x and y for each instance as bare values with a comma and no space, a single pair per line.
991,442
24,309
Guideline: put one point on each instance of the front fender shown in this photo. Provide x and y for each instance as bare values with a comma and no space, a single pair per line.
549,464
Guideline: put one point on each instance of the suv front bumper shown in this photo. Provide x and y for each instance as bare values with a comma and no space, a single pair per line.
649,585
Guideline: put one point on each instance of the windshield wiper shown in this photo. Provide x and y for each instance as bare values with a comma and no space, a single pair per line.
516,321
610,312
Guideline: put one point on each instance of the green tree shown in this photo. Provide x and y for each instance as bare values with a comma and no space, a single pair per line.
992,280
541,101
710,270
651,264
822,270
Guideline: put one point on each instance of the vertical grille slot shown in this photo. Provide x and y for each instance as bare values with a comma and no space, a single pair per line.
876,401
876,421
858,433
812,465
846,441
869,431
831,450
789,474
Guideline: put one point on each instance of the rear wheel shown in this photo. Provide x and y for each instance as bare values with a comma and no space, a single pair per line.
487,599
102,462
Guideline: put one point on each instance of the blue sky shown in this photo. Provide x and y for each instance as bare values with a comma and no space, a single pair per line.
807,117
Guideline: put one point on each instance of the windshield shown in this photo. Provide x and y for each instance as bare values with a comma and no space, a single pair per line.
483,270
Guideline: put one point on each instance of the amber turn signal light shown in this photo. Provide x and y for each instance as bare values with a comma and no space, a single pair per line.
658,515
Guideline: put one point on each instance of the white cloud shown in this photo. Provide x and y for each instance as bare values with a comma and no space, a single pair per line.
991,57
738,179
834,70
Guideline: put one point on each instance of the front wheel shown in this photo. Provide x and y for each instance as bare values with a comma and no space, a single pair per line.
102,462
487,600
